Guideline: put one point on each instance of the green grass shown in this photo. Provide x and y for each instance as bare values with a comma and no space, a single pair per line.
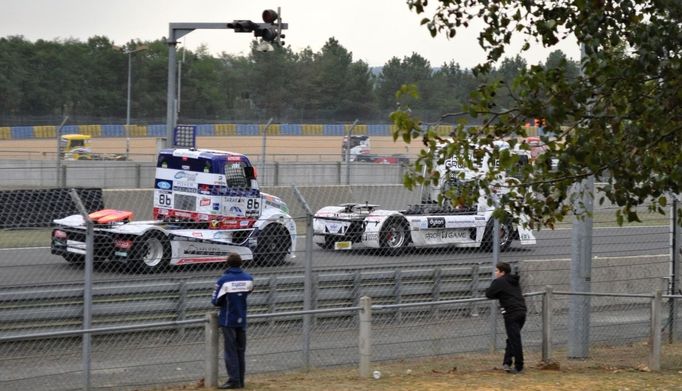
607,218
30,237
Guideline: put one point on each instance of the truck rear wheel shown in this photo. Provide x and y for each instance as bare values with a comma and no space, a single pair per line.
150,252
506,235
395,235
274,242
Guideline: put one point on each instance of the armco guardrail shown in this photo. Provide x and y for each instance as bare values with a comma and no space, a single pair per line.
31,310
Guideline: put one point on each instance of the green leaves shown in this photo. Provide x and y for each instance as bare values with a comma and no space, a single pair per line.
620,120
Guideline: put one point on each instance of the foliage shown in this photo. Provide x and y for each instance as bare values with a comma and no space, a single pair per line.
618,120
88,82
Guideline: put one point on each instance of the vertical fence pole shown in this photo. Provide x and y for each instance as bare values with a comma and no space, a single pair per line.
263,150
211,352
475,282
138,176
547,324
493,303
581,271
365,338
308,290
435,290
397,293
350,131
87,287
675,254
308,278
655,332
60,152
182,307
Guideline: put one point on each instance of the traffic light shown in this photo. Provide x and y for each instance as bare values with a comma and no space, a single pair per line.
271,30
242,26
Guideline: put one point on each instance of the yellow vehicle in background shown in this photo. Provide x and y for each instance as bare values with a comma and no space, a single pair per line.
77,147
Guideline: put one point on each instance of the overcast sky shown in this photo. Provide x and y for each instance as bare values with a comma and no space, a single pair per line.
373,30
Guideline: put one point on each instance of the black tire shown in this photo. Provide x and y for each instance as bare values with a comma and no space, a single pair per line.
150,253
273,245
328,243
506,235
394,236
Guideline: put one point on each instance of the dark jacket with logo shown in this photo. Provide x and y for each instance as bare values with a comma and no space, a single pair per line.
508,291
230,294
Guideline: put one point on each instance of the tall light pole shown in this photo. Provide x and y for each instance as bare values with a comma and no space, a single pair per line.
130,74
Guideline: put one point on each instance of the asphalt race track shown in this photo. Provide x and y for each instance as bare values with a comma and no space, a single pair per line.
30,266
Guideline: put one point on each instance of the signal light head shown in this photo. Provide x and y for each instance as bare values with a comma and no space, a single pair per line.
270,16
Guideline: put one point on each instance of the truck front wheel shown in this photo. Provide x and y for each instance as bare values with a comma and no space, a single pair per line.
150,252
395,235
274,242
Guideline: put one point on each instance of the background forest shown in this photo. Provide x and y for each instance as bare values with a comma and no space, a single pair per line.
42,81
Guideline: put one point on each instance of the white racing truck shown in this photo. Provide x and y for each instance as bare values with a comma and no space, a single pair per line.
425,225
207,204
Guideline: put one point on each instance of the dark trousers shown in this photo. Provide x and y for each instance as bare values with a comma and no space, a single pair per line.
234,339
513,323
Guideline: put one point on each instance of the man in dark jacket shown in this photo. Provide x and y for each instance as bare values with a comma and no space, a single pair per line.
505,287
230,294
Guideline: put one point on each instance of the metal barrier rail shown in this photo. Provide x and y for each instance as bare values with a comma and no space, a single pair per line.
121,304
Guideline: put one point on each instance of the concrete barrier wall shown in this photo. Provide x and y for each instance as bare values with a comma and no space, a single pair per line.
131,175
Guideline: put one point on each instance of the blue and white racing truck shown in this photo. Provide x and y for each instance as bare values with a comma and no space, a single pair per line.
425,225
207,204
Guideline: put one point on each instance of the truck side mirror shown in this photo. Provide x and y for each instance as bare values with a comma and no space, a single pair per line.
250,172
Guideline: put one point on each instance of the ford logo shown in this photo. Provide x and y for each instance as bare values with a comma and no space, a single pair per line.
164,185
186,176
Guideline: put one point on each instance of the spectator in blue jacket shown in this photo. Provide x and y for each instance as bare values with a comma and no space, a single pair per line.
230,294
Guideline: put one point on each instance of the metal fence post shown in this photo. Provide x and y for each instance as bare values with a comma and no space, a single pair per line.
675,255
350,131
397,288
87,286
182,307
655,332
138,176
435,290
64,176
307,279
493,303
475,282
211,350
581,270
547,324
365,338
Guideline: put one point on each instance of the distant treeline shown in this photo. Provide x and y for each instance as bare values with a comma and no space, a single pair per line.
43,81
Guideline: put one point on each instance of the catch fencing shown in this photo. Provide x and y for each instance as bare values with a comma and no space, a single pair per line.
44,298
364,336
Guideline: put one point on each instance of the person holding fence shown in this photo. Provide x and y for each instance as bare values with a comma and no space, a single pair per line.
506,288
230,294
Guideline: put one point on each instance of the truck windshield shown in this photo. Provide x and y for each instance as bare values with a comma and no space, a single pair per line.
235,175
184,163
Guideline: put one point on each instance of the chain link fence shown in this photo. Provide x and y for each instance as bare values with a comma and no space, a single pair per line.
162,274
